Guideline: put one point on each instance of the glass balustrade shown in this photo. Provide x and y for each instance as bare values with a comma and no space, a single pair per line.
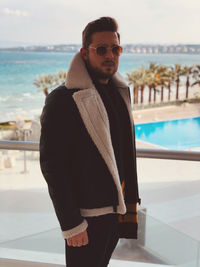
169,244
169,216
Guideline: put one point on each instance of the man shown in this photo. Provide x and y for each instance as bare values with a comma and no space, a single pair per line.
87,150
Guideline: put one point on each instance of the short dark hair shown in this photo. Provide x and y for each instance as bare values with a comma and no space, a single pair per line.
103,24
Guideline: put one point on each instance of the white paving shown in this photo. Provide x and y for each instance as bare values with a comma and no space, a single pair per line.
58,259
118,263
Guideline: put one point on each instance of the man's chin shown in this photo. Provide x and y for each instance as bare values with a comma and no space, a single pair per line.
103,73
108,73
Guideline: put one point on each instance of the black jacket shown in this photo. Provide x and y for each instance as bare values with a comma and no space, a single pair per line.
76,154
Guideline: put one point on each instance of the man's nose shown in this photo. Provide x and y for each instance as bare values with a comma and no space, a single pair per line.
109,53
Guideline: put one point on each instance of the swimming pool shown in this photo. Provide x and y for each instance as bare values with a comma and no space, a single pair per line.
181,134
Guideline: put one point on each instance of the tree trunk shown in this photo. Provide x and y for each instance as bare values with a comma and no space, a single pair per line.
150,89
162,89
45,90
169,91
135,94
177,87
142,94
154,93
187,87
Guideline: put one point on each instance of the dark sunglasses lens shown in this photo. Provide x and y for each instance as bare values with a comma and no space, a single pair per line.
117,50
101,50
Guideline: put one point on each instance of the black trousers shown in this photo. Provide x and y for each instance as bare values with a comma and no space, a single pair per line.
103,237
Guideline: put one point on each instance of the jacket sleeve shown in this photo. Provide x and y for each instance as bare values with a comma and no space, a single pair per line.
56,153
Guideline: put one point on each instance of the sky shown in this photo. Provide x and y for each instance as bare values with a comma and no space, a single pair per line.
62,21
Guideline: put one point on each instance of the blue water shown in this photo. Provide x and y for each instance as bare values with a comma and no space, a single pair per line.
181,134
18,95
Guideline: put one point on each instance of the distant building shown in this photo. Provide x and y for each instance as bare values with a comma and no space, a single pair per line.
127,48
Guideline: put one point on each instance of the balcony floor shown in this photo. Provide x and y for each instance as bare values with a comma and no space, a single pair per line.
113,263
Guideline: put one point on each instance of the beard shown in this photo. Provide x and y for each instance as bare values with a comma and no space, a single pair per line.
97,73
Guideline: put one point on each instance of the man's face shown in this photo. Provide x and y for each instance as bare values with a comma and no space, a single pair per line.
103,66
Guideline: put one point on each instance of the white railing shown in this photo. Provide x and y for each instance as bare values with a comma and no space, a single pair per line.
141,152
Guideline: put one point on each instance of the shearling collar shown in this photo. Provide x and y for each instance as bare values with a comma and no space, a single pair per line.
78,76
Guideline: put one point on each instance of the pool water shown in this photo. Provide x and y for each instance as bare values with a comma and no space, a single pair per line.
181,134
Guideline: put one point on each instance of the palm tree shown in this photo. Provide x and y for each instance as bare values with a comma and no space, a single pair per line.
167,77
142,82
163,77
47,82
171,78
153,80
132,79
44,82
178,71
187,71
149,83
138,79
196,74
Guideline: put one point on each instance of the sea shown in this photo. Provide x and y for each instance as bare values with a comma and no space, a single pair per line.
20,99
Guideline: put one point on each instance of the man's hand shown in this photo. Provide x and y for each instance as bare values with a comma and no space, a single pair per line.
78,240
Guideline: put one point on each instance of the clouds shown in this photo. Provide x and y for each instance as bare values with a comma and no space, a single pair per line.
62,21
15,12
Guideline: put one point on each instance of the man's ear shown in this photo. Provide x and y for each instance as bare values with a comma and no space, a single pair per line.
84,53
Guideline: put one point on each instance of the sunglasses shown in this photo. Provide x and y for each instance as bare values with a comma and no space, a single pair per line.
101,50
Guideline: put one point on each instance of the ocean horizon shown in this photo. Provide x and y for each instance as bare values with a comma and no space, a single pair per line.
20,98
